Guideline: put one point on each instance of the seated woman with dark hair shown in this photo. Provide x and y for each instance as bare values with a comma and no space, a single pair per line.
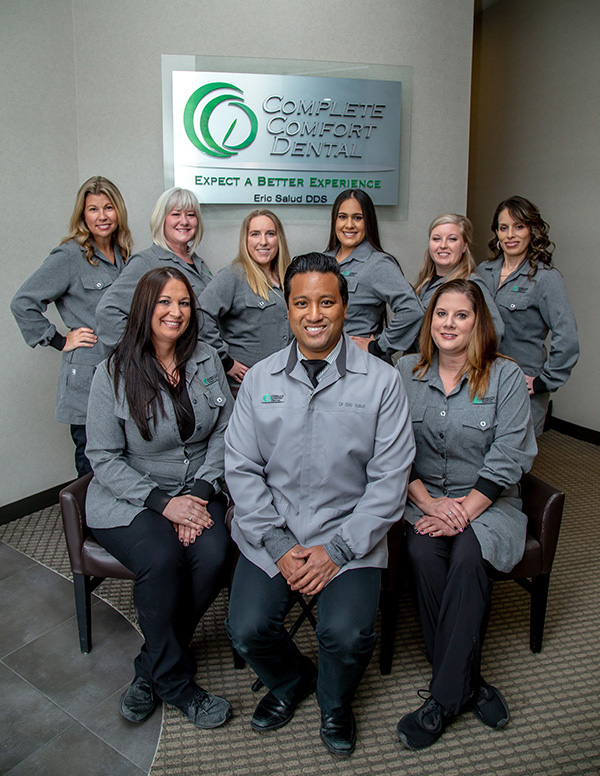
474,437
158,411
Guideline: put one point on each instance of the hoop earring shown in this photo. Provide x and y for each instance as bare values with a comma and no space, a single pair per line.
498,245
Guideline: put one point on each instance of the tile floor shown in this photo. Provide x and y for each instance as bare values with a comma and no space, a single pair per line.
59,712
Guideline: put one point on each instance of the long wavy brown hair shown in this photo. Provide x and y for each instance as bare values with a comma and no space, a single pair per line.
482,345
525,212
133,361
78,230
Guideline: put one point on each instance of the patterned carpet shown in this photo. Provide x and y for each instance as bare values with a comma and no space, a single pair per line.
553,696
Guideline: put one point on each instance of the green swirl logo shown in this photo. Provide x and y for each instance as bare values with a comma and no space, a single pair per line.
206,142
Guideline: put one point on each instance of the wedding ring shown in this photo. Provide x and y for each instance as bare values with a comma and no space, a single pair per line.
190,518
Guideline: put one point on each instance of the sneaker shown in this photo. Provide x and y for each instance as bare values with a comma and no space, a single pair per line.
206,710
139,701
423,727
490,706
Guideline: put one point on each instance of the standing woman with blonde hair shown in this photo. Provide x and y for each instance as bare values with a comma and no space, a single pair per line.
448,257
176,225
532,299
75,276
245,312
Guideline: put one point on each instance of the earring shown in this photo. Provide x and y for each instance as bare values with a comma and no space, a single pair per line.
498,245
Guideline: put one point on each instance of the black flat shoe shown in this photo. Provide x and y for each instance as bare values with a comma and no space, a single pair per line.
272,713
338,732
138,701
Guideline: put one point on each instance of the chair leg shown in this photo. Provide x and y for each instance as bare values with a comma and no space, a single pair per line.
388,604
539,600
83,604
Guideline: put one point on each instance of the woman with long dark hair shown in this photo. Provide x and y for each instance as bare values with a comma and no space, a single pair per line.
531,296
245,317
158,411
374,279
474,438
75,276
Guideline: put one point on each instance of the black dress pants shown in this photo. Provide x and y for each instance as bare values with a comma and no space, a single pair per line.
174,586
347,609
453,591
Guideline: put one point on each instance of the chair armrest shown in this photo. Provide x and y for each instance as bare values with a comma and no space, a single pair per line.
543,504
72,507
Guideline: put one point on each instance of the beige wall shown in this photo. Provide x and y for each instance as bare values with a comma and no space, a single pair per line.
535,132
81,82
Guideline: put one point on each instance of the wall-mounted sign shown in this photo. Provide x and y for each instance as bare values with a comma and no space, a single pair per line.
243,138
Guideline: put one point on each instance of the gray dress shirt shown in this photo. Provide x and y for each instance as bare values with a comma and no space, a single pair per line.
127,468
326,465
112,314
486,444
240,324
374,281
76,287
531,308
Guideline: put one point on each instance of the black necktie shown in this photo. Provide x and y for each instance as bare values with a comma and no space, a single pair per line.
313,366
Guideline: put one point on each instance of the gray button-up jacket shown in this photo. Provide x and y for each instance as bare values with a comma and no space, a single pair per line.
240,323
112,314
461,442
374,280
428,291
76,287
532,307
127,467
319,465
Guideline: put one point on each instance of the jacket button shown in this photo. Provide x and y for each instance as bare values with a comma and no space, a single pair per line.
512,307
186,460
98,285
219,400
482,423
443,413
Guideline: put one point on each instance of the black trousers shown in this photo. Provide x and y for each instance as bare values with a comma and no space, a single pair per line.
78,435
453,590
347,608
174,587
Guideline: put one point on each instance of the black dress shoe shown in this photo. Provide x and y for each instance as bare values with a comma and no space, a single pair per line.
338,732
139,701
272,714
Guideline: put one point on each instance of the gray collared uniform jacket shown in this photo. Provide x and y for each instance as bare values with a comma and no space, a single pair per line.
532,307
326,465
127,467
112,314
374,280
429,290
76,287
239,323
486,444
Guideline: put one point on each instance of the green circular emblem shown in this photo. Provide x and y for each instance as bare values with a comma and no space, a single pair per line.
267,398
204,139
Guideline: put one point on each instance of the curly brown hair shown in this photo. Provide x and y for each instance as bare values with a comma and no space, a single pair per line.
525,212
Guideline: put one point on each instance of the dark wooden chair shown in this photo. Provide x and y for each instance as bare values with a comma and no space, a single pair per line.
91,564
543,504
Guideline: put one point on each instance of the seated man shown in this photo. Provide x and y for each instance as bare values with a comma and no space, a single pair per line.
318,454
